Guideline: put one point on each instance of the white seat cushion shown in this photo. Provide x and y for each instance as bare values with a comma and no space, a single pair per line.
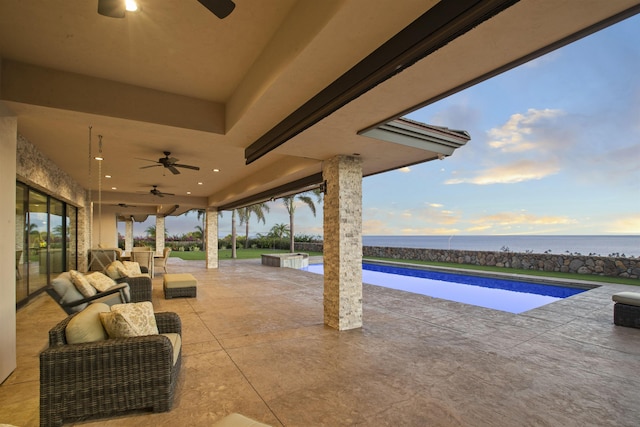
629,298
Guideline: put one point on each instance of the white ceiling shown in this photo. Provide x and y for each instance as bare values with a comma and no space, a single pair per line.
174,77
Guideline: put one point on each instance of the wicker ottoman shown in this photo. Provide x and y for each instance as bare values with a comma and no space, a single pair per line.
626,310
179,285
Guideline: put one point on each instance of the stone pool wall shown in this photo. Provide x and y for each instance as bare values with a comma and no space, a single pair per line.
580,264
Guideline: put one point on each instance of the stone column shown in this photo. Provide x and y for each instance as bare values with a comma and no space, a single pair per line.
84,235
159,234
211,237
128,235
343,243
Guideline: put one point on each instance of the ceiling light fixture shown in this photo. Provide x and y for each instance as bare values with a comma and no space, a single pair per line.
116,8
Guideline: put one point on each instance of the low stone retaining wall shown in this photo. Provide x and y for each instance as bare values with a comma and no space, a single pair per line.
601,266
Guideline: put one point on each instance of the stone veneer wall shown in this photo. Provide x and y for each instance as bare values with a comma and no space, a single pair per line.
602,266
38,171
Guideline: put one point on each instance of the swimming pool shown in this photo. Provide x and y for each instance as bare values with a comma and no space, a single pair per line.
489,292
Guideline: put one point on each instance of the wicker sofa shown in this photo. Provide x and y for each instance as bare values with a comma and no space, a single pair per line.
102,378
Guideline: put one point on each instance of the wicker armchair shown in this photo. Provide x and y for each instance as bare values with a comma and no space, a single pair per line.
139,286
98,379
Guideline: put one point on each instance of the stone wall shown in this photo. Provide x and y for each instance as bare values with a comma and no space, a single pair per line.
602,266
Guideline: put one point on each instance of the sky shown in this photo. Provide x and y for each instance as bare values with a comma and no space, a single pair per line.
554,150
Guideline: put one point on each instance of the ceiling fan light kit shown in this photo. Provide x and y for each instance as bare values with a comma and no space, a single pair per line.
117,8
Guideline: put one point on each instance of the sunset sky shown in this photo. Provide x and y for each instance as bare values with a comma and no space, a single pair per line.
555,149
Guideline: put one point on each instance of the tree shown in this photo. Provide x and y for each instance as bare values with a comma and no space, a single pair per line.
279,231
233,234
201,216
290,204
245,215
151,231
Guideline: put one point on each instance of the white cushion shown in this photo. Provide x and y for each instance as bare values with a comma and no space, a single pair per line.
67,291
629,298
86,325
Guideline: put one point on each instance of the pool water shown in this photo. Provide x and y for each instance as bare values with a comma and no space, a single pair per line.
499,294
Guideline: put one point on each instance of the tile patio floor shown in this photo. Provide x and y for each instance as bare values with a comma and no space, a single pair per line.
255,343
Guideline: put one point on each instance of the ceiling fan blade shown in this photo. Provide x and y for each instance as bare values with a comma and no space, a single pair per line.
195,168
173,170
220,8
146,160
111,8
150,166
167,194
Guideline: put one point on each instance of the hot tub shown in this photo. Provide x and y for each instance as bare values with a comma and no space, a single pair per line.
294,260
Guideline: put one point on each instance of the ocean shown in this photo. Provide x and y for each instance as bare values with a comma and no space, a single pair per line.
617,245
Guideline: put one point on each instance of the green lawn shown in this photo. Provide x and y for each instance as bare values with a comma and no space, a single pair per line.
226,254
255,253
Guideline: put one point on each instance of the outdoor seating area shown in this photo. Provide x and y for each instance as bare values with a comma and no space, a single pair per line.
98,367
254,343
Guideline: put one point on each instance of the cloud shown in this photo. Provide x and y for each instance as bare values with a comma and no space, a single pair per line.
428,230
520,218
527,147
377,227
626,224
515,134
435,205
519,171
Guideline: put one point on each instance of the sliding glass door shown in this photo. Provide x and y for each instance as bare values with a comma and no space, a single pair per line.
46,240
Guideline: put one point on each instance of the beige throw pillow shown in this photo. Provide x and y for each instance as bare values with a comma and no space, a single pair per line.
100,281
130,320
86,325
82,284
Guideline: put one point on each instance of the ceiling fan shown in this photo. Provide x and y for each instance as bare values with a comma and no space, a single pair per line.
169,163
117,8
154,191
124,205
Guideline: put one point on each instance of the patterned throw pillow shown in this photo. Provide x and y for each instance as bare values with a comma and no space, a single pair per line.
82,284
99,281
130,320
133,268
113,270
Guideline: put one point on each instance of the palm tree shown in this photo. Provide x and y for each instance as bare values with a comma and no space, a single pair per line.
151,231
279,231
233,234
245,216
290,204
202,216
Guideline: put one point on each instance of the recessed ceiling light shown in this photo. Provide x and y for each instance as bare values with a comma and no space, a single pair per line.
199,183
216,170
107,176
113,188
188,192
131,6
